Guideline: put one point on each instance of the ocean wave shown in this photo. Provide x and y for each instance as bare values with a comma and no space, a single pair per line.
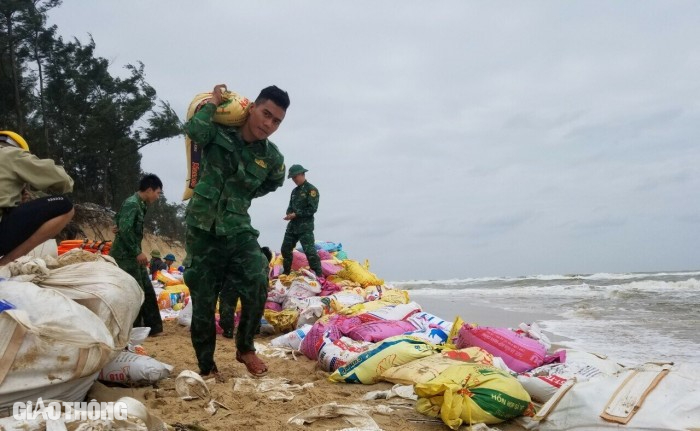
601,276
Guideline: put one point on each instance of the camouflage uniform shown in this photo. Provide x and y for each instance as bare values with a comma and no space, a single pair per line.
125,248
223,254
303,203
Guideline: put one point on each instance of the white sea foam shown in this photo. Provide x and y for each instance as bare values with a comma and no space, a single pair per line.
634,317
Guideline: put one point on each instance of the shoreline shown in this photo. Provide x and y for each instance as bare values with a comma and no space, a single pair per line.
482,314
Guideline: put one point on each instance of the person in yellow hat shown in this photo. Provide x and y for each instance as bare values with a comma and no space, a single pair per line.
26,224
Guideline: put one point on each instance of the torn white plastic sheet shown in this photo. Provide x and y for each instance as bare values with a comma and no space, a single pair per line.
190,386
275,388
356,414
401,391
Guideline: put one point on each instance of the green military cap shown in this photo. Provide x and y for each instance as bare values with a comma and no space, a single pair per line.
296,170
155,253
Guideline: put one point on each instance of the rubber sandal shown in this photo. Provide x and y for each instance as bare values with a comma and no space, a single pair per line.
253,364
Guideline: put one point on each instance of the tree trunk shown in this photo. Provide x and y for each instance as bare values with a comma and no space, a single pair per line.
15,75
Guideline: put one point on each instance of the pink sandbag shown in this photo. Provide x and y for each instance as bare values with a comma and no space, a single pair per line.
328,288
378,331
329,268
520,353
313,340
273,306
345,323
299,260
276,271
324,255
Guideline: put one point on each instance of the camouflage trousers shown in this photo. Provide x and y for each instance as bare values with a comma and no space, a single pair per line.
232,266
149,314
306,237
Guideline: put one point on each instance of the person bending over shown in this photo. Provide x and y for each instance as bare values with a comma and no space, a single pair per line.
25,224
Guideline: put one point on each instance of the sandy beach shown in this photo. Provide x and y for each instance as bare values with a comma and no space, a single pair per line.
256,411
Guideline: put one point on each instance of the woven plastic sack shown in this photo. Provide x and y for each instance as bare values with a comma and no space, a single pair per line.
313,340
282,321
336,353
519,352
368,367
426,369
471,394
232,112
542,382
381,330
352,270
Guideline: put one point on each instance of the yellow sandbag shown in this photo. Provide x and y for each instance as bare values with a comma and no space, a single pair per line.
363,308
352,270
425,369
179,288
454,333
166,279
164,300
395,296
368,367
283,321
471,394
343,283
232,112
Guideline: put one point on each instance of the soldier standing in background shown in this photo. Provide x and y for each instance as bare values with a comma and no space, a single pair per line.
126,248
238,165
303,204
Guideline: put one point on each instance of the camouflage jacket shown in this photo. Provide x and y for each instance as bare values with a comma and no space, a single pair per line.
129,220
303,203
232,174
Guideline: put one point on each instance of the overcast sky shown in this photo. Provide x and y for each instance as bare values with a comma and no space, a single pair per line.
449,139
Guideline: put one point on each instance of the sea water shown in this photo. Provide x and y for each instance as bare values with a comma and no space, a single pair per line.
632,317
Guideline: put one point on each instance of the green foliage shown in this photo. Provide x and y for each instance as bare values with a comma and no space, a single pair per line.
65,101
166,219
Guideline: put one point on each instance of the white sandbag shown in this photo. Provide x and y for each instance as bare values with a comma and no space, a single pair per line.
64,329
278,293
48,339
346,299
138,335
48,248
335,354
534,331
185,316
396,312
542,382
429,332
103,288
129,367
299,304
431,319
673,404
304,287
291,340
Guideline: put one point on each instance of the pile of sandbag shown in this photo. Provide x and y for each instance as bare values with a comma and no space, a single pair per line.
362,330
61,324
92,246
